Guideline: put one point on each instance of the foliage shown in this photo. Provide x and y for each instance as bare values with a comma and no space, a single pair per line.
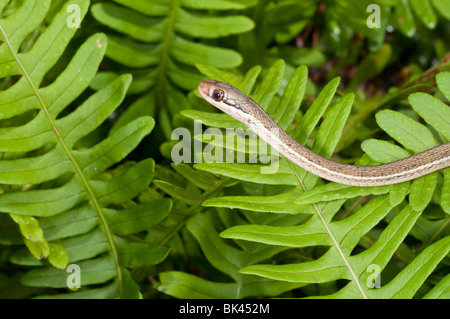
79,185
57,188
328,226
154,40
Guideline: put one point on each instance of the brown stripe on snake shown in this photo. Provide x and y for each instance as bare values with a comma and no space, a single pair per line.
235,103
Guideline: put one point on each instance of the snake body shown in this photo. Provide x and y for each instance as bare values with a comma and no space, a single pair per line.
240,106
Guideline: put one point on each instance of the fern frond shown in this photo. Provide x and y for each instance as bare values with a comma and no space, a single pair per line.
46,174
156,41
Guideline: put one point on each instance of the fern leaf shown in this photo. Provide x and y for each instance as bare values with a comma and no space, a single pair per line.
426,12
70,186
155,33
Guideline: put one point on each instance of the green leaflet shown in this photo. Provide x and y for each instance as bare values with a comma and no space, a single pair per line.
383,151
83,202
270,84
183,285
304,235
442,7
271,204
140,217
252,172
213,119
445,199
424,12
427,12
443,83
188,52
33,236
422,190
417,138
398,192
58,256
99,271
315,112
108,291
404,13
333,191
293,95
245,84
412,277
178,192
201,179
440,291
220,4
210,27
414,136
433,111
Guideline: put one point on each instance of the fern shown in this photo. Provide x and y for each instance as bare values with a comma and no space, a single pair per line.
406,13
356,251
340,20
188,188
344,18
71,197
156,44
70,208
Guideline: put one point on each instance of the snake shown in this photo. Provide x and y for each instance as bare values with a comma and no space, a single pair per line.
237,104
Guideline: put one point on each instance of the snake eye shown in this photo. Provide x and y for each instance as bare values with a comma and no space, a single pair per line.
218,95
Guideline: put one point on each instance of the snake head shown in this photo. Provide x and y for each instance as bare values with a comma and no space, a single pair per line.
227,98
